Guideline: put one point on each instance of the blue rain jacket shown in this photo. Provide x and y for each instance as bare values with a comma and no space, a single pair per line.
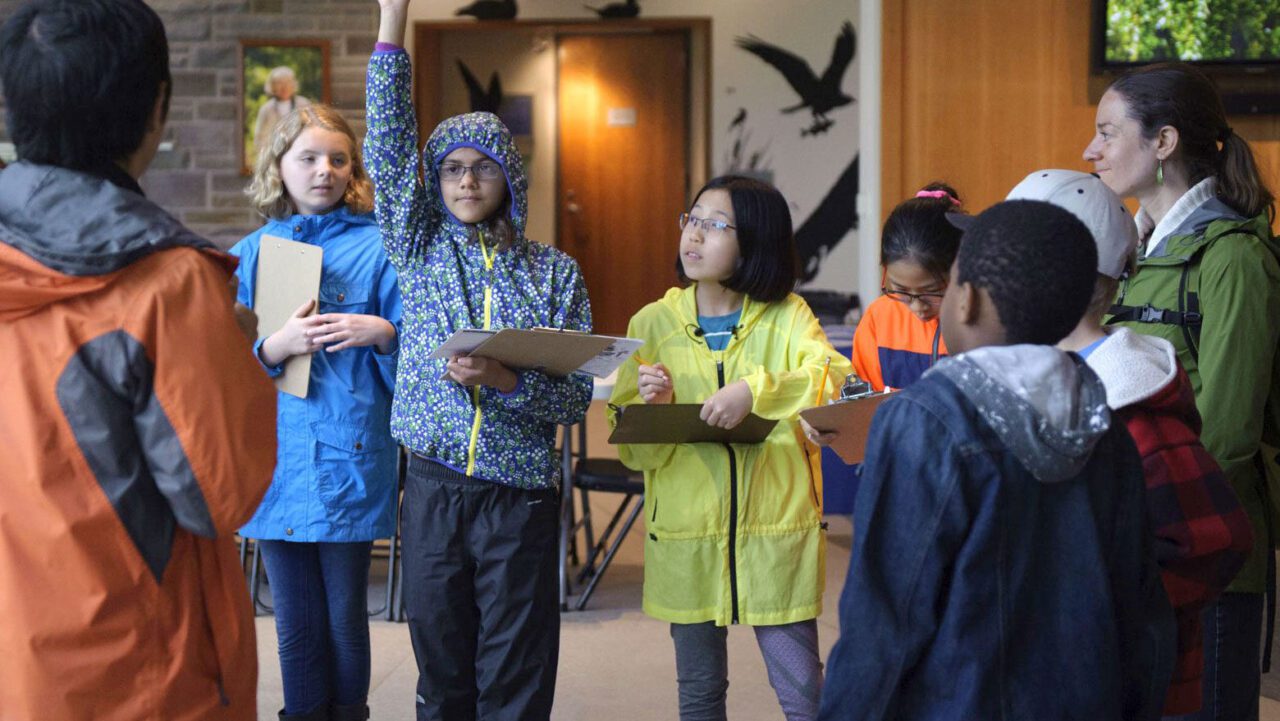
335,478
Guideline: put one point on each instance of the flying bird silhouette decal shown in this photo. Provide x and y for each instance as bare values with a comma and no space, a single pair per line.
834,217
489,9
628,9
482,99
819,95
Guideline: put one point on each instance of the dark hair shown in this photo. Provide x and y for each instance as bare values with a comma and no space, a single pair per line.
1183,97
81,78
918,231
499,231
1039,264
766,244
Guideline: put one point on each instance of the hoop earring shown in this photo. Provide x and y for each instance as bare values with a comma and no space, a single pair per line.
1159,172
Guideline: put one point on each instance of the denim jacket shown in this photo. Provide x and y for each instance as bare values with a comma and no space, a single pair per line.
1002,564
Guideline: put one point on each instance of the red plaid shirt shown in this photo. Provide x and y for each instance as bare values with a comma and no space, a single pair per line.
1202,532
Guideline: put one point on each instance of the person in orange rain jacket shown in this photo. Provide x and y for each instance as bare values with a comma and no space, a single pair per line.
899,338
137,431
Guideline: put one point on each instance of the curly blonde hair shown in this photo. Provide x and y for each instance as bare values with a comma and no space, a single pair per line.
267,191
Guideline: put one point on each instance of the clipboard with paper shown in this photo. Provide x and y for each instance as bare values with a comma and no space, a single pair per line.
681,423
557,353
288,276
850,417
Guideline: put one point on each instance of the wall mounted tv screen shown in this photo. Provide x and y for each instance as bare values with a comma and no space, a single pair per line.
1212,32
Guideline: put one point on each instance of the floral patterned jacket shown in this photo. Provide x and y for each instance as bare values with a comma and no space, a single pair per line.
449,282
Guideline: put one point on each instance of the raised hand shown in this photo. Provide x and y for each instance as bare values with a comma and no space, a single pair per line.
728,406
654,384
395,13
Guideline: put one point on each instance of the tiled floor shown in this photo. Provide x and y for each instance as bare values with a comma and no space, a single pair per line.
616,664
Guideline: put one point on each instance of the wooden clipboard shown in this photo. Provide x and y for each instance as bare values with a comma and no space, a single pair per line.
679,423
557,353
288,276
852,419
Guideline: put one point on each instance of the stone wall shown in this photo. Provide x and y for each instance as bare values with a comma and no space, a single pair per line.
199,179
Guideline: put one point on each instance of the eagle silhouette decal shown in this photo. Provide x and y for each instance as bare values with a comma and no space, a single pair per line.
820,95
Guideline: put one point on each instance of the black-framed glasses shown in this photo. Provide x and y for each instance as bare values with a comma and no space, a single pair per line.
707,224
483,170
902,296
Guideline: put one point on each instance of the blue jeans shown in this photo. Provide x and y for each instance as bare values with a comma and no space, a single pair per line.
1232,670
320,593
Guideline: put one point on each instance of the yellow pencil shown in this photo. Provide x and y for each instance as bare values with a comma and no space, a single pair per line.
826,368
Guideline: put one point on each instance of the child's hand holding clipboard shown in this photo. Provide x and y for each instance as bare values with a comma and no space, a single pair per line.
845,424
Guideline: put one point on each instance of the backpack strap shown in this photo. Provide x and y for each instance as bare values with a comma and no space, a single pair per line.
1187,316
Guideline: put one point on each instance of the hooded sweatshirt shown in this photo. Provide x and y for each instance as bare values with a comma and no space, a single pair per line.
138,433
1201,530
1002,565
451,281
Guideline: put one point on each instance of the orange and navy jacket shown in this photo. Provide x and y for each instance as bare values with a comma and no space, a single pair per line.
892,347
138,432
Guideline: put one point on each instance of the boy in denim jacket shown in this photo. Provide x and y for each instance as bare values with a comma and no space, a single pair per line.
1002,564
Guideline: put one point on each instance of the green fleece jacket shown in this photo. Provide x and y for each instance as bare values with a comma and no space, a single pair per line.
1235,276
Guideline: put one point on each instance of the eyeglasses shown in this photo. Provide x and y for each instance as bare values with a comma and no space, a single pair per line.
483,170
707,224
902,296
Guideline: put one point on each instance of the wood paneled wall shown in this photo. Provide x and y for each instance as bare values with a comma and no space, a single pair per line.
981,93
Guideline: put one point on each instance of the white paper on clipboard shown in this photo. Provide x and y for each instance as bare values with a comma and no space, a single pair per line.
462,342
288,276
608,360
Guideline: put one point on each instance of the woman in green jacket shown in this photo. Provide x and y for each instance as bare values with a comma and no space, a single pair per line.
734,531
1208,281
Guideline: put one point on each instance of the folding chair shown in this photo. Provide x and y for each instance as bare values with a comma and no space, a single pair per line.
257,573
601,475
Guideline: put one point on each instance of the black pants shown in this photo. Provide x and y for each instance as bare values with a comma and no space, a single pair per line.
1232,645
481,592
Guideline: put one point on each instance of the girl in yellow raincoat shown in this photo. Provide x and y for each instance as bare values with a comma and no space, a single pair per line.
734,531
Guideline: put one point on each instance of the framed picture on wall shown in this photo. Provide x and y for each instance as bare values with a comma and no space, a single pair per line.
277,76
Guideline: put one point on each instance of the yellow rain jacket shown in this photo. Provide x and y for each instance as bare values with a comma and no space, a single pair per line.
734,532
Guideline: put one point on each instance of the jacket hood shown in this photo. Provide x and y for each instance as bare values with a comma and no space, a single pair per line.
80,224
1211,220
1045,405
1132,366
71,231
338,219
486,133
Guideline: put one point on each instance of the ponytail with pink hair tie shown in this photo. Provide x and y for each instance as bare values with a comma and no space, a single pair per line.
938,194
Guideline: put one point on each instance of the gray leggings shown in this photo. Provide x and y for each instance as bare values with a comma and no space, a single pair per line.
790,654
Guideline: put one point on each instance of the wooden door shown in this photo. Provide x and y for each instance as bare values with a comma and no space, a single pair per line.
623,165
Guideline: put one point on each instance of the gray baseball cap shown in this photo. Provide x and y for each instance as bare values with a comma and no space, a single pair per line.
1085,196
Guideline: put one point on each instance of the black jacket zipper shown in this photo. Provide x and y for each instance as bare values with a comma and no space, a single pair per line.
733,512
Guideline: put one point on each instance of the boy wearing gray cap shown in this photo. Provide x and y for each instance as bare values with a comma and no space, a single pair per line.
1202,532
